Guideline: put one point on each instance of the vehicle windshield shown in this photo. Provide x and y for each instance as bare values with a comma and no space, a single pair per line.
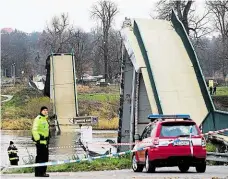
178,129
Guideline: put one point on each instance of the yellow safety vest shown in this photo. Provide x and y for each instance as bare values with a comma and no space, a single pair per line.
40,127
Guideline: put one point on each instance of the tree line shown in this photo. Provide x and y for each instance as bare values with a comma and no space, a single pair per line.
100,49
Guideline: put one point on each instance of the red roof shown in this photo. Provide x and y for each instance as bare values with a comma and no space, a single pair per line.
9,30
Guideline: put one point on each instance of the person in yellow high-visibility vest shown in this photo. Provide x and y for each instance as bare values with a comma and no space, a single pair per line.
40,135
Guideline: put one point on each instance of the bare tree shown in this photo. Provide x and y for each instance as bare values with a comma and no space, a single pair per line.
97,51
219,9
58,34
183,8
114,54
199,28
186,13
105,11
81,43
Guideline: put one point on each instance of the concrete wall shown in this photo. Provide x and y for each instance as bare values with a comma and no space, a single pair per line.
62,87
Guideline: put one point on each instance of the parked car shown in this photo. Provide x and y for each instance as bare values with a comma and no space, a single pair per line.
170,140
98,83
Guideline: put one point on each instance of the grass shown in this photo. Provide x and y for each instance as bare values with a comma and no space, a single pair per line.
99,97
19,112
210,147
96,89
11,90
108,124
123,162
222,91
21,97
16,124
221,98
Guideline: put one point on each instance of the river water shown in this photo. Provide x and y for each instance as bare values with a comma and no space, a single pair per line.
26,148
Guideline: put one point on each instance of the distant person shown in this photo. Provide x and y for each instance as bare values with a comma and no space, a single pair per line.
211,90
12,152
214,90
40,134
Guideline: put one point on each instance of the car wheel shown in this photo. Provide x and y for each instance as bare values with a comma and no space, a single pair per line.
183,168
135,166
201,167
150,168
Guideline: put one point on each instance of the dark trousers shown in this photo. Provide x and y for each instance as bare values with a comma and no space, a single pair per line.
14,162
41,157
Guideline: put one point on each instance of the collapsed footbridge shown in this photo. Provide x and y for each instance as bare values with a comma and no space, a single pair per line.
161,75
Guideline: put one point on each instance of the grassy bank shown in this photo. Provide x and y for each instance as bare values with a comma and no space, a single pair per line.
222,91
221,102
221,98
18,113
123,162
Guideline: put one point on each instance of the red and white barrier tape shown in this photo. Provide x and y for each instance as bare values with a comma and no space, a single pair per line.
216,132
130,144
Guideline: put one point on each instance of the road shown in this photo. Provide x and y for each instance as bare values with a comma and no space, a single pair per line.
9,97
215,172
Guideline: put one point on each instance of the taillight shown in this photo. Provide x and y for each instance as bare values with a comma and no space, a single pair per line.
203,142
156,141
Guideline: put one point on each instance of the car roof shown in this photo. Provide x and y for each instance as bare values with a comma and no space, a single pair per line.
172,121
177,121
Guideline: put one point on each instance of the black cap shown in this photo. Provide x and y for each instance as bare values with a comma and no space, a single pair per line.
42,108
11,142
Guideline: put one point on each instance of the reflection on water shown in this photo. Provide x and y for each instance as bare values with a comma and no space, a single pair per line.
22,140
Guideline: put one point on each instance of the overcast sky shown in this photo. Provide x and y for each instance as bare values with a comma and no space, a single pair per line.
34,15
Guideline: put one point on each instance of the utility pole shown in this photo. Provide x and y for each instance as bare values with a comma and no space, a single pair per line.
13,72
11,68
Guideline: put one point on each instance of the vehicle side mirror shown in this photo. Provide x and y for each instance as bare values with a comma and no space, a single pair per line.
137,137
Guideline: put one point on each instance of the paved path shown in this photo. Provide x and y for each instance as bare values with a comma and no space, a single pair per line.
215,172
9,97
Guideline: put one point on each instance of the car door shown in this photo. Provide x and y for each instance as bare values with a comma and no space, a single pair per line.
144,143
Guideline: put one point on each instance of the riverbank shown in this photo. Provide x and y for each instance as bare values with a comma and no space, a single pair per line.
19,112
26,124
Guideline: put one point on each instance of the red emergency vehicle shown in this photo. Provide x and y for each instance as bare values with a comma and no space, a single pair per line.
170,140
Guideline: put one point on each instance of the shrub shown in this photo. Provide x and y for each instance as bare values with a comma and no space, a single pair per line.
16,124
210,147
26,104
32,109
104,124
